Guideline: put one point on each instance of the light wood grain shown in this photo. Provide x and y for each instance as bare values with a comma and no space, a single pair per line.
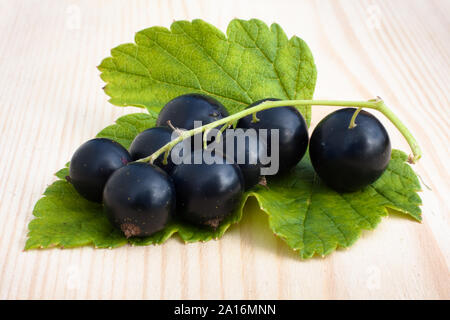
51,101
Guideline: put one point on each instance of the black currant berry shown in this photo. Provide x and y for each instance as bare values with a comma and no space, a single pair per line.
184,110
293,132
93,163
249,152
139,198
207,193
349,159
149,141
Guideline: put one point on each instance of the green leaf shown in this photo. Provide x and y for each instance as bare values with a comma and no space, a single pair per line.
64,219
250,63
314,219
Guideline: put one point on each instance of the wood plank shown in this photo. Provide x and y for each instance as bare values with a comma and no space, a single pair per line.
51,101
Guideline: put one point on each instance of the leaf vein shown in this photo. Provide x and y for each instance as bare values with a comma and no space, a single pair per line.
336,225
355,210
267,58
175,85
218,64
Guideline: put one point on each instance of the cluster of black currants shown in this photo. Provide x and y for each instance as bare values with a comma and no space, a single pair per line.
141,198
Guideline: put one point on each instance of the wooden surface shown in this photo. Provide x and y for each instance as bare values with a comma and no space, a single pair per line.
51,101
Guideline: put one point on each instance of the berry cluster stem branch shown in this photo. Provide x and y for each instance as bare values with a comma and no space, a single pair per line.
205,138
376,104
352,121
254,117
219,134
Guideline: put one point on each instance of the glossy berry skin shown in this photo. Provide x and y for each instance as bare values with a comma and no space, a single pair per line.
149,141
206,194
349,159
184,110
248,153
293,132
139,199
92,164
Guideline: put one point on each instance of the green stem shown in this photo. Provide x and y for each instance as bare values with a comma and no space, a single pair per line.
220,132
413,144
352,121
205,138
376,104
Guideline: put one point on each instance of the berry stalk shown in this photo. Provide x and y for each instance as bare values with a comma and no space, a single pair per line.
376,104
